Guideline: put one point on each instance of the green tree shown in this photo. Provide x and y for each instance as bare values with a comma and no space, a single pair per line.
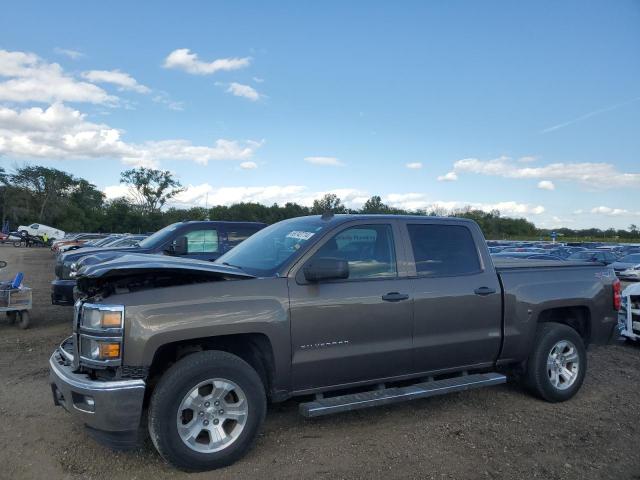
150,188
328,203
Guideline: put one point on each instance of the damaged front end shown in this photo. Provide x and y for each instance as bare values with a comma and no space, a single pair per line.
135,272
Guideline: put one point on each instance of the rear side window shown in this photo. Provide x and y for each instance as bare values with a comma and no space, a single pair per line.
237,235
443,250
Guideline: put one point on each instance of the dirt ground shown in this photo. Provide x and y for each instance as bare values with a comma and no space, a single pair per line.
498,432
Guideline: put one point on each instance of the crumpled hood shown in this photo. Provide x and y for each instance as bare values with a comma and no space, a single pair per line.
122,266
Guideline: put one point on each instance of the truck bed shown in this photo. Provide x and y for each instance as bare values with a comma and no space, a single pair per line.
529,287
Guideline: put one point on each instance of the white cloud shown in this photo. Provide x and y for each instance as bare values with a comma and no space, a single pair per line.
64,133
602,210
414,165
527,159
31,79
448,177
183,59
546,185
592,175
248,165
116,77
258,79
199,195
246,91
67,52
420,201
324,161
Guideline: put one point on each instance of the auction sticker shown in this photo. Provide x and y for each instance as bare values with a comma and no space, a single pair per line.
300,235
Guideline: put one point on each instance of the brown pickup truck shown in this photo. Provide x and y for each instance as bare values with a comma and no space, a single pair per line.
345,311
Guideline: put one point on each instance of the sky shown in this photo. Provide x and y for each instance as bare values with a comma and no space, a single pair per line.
529,108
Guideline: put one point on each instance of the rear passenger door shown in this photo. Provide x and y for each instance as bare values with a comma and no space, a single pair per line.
456,294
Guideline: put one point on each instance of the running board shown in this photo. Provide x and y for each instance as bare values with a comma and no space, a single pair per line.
386,396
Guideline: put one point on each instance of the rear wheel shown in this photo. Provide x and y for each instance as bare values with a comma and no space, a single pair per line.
557,364
206,411
11,316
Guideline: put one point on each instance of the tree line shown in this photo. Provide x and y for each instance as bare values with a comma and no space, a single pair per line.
37,194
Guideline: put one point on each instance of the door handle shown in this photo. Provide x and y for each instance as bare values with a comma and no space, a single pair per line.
395,297
484,291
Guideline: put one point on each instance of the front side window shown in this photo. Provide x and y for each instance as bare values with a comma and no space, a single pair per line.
441,250
368,249
202,241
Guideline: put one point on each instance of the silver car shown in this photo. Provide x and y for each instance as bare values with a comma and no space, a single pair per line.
628,267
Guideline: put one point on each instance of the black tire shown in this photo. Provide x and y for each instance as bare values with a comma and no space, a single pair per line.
24,318
174,386
12,316
537,376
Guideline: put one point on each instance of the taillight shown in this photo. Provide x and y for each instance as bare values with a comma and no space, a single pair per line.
617,294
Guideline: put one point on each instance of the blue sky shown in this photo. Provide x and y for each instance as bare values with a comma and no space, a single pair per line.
530,108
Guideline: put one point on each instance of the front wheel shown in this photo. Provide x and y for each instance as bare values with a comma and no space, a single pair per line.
206,411
557,364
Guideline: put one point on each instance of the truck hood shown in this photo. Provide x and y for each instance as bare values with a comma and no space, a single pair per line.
133,272
132,264
73,255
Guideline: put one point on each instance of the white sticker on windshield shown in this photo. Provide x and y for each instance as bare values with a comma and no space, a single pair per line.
300,235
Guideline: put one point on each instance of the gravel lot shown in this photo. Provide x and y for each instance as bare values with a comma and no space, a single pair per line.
499,432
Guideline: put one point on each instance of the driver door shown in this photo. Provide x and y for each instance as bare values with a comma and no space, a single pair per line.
357,329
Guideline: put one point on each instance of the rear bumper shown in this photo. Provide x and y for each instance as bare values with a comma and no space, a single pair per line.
107,406
62,292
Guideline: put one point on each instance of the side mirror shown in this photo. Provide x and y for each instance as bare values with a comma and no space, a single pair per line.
179,246
320,269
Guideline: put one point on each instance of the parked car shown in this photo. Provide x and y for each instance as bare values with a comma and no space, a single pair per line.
400,307
200,240
594,256
628,266
629,314
79,241
527,256
38,230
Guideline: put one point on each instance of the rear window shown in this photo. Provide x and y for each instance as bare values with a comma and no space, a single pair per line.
443,250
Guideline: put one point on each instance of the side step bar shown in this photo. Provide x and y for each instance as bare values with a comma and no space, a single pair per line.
386,396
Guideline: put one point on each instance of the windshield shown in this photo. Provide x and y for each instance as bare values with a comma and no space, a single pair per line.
265,252
635,258
159,237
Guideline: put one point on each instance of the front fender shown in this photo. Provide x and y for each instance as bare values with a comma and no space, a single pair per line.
157,317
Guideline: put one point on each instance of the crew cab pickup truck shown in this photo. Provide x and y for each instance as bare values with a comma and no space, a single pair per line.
203,240
400,307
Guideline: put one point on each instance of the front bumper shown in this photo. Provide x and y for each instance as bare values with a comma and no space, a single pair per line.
108,406
62,292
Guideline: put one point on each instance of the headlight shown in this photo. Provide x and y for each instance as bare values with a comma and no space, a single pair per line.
102,317
101,330
100,349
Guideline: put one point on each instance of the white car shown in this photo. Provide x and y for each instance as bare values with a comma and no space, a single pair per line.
38,230
629,313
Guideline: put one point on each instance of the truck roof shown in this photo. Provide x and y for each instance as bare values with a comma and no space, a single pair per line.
347,217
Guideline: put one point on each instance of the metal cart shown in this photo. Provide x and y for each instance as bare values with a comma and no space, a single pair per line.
16,303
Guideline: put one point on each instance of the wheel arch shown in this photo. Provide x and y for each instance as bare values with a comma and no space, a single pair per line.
577,317
254,348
